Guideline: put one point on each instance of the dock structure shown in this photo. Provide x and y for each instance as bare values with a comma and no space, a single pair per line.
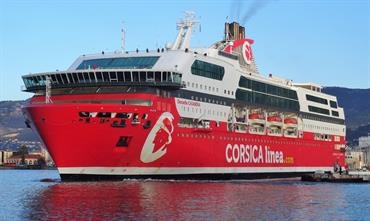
350,177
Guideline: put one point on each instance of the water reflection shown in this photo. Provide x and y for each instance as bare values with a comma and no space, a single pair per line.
162,200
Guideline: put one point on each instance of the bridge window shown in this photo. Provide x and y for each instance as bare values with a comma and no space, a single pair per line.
113,63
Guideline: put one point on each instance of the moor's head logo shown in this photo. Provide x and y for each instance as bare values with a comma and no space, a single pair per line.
158,138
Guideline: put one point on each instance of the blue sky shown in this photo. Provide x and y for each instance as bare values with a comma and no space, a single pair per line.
321,41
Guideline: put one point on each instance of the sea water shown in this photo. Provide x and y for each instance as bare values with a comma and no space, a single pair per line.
24,195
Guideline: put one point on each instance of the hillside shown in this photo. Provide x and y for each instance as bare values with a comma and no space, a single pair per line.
12,122
356,104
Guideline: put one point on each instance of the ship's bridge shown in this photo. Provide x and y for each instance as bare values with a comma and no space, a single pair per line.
103,78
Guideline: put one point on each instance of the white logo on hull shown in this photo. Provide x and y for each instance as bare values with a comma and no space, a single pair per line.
158,138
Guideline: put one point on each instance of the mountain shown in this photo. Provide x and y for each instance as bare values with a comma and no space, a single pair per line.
12,122
356,104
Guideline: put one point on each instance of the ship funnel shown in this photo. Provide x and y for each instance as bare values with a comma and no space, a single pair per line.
234,31
237,44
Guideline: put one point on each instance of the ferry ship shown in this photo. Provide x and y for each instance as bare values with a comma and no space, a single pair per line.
183,113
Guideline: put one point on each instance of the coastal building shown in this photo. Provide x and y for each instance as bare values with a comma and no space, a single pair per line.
355,159
364,146
359,157
29,160
364,142
4,155
45,154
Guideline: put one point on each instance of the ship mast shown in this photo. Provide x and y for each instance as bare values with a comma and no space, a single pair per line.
123,38
48,90
185,27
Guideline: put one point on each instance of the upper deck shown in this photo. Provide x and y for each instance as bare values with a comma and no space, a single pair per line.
122,71
226,71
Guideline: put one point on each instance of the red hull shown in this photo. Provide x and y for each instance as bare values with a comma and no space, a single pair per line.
100,146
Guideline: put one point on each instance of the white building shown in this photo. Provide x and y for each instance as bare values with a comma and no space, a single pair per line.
45,154
364,142
364,147
355,159
4,155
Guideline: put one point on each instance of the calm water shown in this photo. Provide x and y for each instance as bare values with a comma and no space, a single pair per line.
24,197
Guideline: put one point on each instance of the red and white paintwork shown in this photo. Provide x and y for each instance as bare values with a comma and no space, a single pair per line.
168,150
84,148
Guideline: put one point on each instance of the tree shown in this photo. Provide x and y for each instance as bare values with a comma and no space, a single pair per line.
41,162
22,151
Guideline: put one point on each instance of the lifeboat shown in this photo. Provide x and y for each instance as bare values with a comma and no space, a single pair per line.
291,121
274,120
256,118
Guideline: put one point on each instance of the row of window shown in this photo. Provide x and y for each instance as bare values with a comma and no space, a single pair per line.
324,137
318,110
267,100
321,100
316,99
125,62
202,87
209,100
207,70
322,111
316,117
267,88
243,139
252,97
316,127
199,111
207,88
123,115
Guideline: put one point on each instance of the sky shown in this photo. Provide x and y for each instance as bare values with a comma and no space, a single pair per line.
321,41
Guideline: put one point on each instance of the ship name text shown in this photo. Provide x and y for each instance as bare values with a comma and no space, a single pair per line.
240,153
188,102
